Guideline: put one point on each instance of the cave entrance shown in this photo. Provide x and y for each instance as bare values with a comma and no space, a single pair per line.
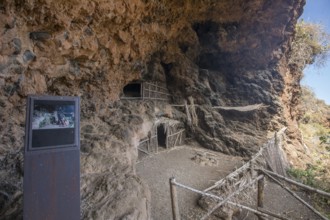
133,90
161,136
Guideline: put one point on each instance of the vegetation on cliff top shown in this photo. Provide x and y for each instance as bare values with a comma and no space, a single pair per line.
311,45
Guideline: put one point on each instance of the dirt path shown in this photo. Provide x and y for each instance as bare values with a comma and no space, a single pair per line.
190,165
200,168
281,202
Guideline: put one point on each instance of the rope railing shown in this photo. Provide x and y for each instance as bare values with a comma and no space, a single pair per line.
238,171
230,196
175,209
260,212
250,164
241,184
312,189
297,197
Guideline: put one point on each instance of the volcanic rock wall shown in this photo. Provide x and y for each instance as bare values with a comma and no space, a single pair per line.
221,53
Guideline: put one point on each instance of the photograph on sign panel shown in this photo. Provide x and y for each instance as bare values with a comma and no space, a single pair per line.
52,116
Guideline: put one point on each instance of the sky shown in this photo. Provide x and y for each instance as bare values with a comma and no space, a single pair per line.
317,11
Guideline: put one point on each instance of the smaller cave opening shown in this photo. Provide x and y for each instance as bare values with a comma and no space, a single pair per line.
161,136
133,90
207,33
183,47
167,67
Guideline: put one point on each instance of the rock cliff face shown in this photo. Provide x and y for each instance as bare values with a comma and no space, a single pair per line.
220,53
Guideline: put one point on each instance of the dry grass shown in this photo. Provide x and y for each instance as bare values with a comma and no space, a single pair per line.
313,126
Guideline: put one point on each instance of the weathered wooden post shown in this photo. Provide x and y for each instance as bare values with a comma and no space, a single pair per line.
261,187
149,140
174,200
188,113
252,170
276,139
167,139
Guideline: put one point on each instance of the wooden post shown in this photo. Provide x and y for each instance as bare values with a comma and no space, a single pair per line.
187,113
167,141
252,169
142,90
176,139
156,135
276,139
261,187
181,137
174,200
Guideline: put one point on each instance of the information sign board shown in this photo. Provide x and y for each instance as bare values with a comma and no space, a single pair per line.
52,158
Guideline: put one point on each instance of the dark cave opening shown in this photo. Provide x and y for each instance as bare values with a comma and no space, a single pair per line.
183,47
133,90
207,32
161,136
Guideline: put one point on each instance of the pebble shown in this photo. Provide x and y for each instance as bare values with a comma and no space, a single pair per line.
40,36
28,56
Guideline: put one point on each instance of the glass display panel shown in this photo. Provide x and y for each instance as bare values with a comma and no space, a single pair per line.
53,123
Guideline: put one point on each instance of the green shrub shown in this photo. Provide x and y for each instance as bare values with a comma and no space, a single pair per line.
325,139
305,176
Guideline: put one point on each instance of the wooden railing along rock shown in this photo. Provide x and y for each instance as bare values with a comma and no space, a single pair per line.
269,163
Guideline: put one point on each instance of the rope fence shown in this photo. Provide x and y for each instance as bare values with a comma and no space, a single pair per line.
250,175
230,196
174,200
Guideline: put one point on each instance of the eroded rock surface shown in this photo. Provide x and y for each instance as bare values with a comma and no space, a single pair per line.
221,53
